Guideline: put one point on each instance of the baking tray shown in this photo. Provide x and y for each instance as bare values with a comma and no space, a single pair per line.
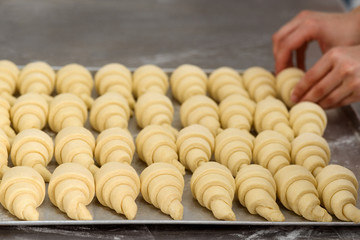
342,134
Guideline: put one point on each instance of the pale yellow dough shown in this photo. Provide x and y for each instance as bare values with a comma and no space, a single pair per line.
311,151
296,189
195,145
285,83
259,82
114,145
71,188
224,82
76,79
4,153
22,190
66,110
201,110
188,80
213,186
117,186
149,78
115,77
75,144
237,111
338,188
156,143
233,148
271,150
5,119
256,190
162,185
108,111
307,117
9,74
33,148
272,114
29,111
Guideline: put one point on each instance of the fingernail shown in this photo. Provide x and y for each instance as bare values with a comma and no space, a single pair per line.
294,98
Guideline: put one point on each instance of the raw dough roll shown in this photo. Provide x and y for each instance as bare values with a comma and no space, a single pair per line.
154,108
224,82
271,150
22,190
187,81
195,145
29,111
296,189
37,77
213,186
237,111
117,186
76,79
4,153
33,148
233,148
108,111
71,188
311,151
256,190
75,144
259,82
307,117
337,187
201,110
285,83
156,143
272,114
162,185
115,77
9,73
66,110
114,145
5,119
150,78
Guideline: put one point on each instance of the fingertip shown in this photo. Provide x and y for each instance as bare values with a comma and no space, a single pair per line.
294,98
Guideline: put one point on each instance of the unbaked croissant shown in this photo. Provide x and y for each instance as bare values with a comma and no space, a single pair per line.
9,74
187,81
195,145
201,110
117,186
272,114
237,111
22,190
256,190
115,77
162,185
285,83
66,110
114,145
156,143
108,111
224,82
76,79
5,119
71,188
271,150
296,189
338,188
213,186
33,148
259,82
29,111
149,78
4,153
75,144
233,148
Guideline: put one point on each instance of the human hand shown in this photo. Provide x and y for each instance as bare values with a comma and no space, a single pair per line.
333,81
328,29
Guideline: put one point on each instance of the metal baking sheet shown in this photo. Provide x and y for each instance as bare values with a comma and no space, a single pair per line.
342,134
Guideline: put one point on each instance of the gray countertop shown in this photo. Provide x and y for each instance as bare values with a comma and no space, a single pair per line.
208,33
